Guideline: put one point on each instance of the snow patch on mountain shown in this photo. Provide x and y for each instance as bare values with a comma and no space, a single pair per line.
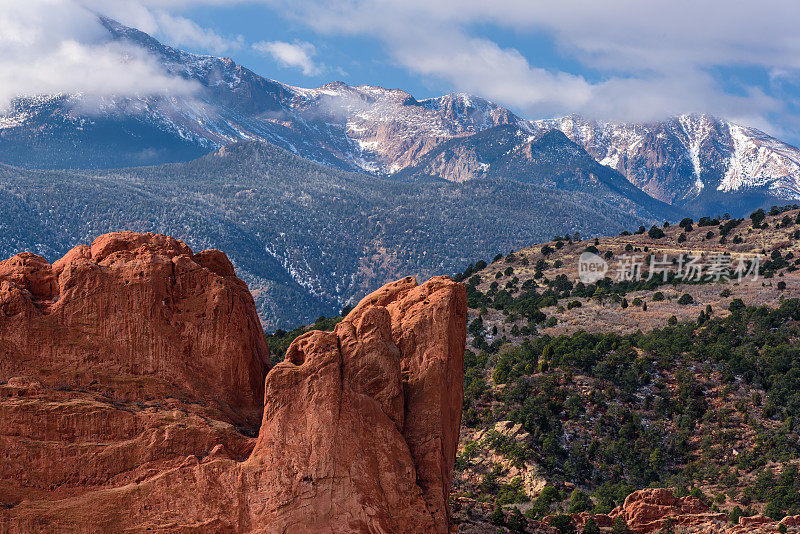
760,161
719,154
695,137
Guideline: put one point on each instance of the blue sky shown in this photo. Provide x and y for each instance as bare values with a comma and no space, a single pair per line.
354,59
616,59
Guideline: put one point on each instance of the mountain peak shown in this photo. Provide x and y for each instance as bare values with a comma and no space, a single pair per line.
375,129
690,160
334,86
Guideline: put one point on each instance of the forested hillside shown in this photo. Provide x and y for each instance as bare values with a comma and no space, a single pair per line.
577,394
307,238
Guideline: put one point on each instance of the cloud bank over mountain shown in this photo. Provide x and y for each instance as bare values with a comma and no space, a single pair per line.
49,47
641,60
615,60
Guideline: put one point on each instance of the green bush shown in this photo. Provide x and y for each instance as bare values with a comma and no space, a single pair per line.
498,518
590,527
620,526
758,217
736,304
579,502
541,505
563,523
512,492
516,521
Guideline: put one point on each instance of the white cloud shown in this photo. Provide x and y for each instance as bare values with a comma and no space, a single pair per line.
180,31
59,46
640,60
153,17
293,55
648,59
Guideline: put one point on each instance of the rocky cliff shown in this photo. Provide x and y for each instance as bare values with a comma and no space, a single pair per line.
131,373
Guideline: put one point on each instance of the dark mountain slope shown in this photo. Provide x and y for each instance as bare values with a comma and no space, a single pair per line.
548,160
306,238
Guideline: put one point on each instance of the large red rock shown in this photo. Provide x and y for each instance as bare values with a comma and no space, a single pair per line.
119,360
358,430
135,317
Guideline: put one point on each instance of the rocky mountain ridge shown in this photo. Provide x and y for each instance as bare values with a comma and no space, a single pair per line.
689,161
547,159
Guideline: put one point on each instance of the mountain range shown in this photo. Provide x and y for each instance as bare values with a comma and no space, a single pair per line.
308,238
696,162
687,161
320,195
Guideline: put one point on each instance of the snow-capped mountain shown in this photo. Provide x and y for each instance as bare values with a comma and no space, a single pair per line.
691,161
689,157
355,128
548,160
390,128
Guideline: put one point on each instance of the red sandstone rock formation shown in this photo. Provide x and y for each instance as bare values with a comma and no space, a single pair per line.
135,317
359,425
119,360
646,511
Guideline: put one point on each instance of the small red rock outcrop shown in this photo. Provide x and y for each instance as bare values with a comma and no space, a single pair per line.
649,510
359,425
646,510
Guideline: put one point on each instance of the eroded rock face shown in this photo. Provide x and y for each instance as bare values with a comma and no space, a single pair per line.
119,360
359,425
135,317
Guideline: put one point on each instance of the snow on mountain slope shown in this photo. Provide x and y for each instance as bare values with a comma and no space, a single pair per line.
373,129
759,160
390,128
680,159
354,128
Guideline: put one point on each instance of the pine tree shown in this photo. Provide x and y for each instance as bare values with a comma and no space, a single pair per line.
590,527
620,526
